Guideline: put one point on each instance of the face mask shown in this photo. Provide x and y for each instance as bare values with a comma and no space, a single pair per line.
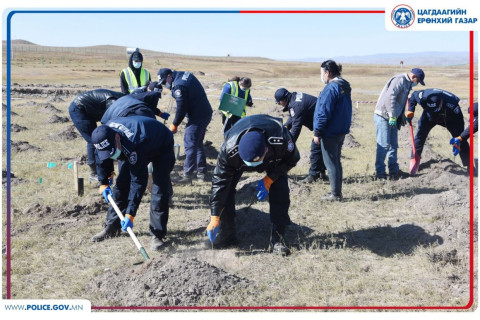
323,80
167,85
116,154
137,64
414,84
243,88
253,164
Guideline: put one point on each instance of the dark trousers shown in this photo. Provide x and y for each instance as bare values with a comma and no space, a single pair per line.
278,198
85,125
317,166
229,122
332,153
195,158
161,192
425,124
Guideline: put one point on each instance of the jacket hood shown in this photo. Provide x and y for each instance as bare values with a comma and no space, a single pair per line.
137,56
344,84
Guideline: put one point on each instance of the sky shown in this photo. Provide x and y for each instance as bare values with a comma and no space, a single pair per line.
275,36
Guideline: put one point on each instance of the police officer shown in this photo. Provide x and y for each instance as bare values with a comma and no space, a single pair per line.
192,102
134,76
256,143
85,110
439,107
301,107
135,141
128,105
237,87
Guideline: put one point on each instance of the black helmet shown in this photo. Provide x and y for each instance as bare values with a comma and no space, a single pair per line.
281,94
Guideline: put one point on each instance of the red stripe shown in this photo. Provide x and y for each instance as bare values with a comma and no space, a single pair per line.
470,303
312,11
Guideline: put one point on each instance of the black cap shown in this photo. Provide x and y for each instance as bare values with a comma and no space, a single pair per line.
163,73
419,74
251,146
281,94
103,138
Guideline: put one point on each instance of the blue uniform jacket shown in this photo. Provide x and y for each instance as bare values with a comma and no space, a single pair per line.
143,140
191,98
127,105
333,112
301,108
440,105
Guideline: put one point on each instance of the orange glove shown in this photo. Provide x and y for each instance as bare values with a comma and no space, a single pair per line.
267,181
213,227
409,114
173,128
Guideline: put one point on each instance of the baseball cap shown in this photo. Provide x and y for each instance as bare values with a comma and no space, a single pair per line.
419,74
281,94
252,146
103,138
163,73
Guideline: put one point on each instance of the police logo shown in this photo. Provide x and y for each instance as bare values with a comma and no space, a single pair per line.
292,112
132,158
403,16
291,145
178,93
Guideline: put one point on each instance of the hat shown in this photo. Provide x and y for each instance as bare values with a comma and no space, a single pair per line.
103,138
419,74
155,86
163,73
137,56
252,146
281,94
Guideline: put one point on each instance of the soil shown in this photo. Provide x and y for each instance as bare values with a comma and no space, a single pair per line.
68,133
20,146
57,119
17,128
167,281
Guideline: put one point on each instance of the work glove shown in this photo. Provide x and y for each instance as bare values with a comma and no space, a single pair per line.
392,121
263,188
173,128
409,116
456,145
213,227
127,222
105,190
165,116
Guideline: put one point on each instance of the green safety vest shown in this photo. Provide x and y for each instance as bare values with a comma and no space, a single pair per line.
132,80
234,92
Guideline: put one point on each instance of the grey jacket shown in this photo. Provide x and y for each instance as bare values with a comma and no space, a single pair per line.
393,98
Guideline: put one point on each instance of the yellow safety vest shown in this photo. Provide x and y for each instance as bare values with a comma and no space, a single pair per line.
132,80
234,92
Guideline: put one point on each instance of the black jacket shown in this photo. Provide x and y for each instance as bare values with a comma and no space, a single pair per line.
440,106
466,133
282,155
96,102
301,107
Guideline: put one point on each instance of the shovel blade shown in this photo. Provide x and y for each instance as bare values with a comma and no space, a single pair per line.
414,164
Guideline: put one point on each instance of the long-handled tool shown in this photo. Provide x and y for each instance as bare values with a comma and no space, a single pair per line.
129,230
414,162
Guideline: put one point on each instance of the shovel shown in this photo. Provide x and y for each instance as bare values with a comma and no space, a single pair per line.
415,161
129,230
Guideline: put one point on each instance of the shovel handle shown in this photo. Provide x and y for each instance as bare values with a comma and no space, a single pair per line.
129,230
413,140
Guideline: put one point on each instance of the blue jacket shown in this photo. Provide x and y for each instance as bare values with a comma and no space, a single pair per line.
191,98
126,106
301,107
439,105
333,112
143,140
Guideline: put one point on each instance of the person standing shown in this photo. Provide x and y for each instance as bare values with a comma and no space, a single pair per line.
134,76
255,143
331,122
135,141
192,102
85,111
237,87
301,107
388,118
439,107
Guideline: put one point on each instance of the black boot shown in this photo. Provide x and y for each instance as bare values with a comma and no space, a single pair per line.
277,241
108,232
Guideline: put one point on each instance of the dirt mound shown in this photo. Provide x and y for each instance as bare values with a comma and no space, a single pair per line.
68,133
48,108
4,109
167,281
57,119
55,99
350,142
20,146
17,128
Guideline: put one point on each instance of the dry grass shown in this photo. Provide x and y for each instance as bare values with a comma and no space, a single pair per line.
52,256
